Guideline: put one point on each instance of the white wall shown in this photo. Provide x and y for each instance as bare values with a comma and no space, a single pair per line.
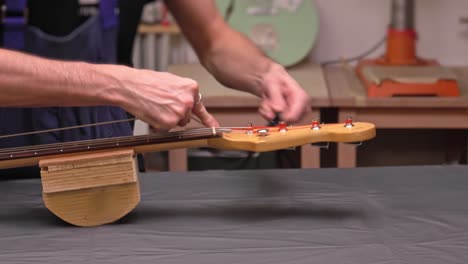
350,27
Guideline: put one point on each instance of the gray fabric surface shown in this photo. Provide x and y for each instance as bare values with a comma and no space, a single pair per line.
365,215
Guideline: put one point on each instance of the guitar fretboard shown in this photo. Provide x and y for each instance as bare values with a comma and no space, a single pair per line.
109,143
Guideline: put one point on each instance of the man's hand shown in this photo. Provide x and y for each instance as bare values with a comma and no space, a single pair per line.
280,93
236,62
161,99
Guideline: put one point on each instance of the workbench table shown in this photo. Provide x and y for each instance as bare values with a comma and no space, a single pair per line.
386,215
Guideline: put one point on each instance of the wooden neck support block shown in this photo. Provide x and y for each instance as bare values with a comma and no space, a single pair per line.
91,189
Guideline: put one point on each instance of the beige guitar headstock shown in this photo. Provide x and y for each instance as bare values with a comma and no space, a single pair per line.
261,139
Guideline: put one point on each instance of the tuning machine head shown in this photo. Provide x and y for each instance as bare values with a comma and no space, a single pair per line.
262,132
315,125
322,145
250,129
349,122
282,127
357,144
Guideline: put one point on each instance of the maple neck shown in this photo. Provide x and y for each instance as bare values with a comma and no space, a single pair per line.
109,143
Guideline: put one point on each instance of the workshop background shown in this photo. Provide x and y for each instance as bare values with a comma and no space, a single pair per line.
431,132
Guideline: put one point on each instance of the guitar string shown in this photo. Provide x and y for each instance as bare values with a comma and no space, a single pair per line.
100,144
67,128
116,139
120,140
79,126
129,137
103,123
154,136
70,149
72,127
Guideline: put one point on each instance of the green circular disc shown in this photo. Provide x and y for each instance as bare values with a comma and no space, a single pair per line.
285,30
223,6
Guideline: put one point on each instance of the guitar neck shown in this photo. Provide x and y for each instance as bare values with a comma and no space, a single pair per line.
255,139
30,156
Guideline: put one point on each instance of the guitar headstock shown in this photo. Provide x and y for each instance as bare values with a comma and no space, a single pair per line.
264,138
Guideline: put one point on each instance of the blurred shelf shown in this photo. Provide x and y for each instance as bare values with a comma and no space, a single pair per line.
158,29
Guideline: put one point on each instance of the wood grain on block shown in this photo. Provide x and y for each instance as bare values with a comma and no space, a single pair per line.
94,206
92,189
87,171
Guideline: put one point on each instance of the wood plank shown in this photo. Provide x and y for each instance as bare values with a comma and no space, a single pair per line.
91,158
88,171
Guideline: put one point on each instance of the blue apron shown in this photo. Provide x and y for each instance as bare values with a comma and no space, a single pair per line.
13,25
93,41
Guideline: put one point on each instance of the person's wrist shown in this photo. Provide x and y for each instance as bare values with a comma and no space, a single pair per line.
267,75
110,84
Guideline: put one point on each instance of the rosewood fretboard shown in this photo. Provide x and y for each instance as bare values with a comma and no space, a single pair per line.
109,143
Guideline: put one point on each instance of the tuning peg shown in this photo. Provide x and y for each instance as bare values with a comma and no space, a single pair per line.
315,125
275,120
357,144
349,122
250,130
282,127
262,132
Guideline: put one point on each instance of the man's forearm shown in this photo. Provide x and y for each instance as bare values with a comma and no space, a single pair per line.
31,81
236,62
232,59
161,99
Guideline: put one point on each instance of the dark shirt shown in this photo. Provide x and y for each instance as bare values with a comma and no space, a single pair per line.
60,17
